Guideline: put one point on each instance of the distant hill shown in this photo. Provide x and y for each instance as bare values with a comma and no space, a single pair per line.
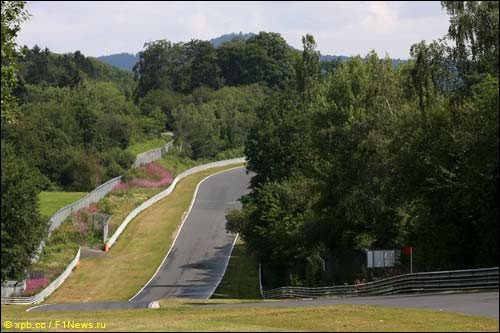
123,60
227,37
127,61
327,57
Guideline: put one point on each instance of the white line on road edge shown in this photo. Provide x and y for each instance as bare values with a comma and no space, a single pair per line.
33,307
225,267
180,228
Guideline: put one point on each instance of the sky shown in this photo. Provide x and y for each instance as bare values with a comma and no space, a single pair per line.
339,28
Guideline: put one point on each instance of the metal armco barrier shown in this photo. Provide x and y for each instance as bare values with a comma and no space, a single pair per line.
61,214
151,155
102,190
35,299
473,279
97,194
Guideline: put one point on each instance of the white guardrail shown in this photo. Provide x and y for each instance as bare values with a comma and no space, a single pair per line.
35,299
97,194
472,279
56,283
148,203
151,155
61,214
102,190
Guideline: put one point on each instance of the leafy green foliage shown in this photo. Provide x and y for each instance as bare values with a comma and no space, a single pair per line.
181,67
380,156
44,68
474,29
184,67
76,136
13,13
216,121
22,227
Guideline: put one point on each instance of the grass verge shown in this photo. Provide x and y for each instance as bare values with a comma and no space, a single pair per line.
50,202
177,164
144,146
137,253
338,318
241,280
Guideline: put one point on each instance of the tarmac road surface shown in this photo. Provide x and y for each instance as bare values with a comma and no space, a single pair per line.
484,304
197,261
199,256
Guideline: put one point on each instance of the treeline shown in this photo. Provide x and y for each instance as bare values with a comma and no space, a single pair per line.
76,118
68,120
183,67
378,156
210,95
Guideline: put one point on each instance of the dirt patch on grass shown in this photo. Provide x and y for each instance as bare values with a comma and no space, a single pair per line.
87,252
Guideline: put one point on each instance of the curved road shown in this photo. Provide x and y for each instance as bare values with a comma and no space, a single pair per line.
198,259
199,256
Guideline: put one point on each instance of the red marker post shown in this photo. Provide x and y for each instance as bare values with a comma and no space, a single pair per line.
408,250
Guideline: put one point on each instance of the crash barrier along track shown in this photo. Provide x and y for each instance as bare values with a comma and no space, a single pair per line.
102,190
148,203
97,194
460,280
151,155
35,299
47,291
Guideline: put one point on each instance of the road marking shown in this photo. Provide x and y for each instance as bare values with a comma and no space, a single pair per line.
180,228
225,267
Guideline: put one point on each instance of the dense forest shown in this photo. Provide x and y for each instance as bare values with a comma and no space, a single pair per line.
376,156
349,154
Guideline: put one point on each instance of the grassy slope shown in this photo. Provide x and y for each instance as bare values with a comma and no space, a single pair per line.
137,253
141,147
50,202
177,164
179,317
241,280
124,204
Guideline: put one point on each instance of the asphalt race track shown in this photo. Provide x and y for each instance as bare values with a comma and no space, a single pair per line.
484,304
198,259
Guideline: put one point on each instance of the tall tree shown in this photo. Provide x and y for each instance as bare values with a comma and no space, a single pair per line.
230,60
201,67
21,226
269,59
13,14
308,69
474,28
22,229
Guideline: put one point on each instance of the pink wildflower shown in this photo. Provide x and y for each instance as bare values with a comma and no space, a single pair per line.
121,187
35,284
93,209
155,171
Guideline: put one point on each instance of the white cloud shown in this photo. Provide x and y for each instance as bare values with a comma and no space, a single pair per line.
380,17
347,28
